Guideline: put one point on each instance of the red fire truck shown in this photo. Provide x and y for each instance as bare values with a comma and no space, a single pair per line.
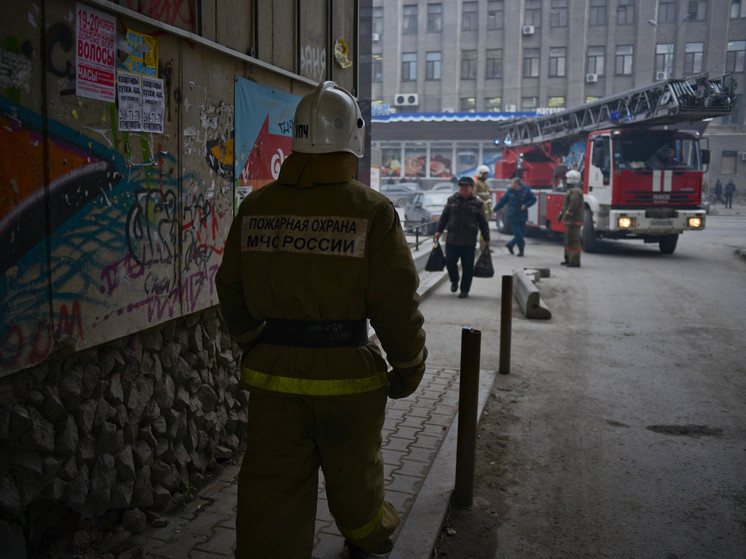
639,155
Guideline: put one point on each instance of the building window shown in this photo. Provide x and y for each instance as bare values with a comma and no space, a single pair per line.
531,63
468,105
558,13
734,56
470,15
729,162
532,13
409,22
557,59
494,67
597,14
529,103
623,60
697,10
666,11
738,8
664,58
493,104
408,66
434,18
377,23
625,12
693,56
495,13
469,65
595,62
557,102
432,66
377,68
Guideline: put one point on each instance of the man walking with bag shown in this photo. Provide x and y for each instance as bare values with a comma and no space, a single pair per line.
463,217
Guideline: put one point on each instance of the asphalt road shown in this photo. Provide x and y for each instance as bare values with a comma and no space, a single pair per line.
621,430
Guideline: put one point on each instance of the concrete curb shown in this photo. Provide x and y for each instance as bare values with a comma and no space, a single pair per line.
528,297
422,526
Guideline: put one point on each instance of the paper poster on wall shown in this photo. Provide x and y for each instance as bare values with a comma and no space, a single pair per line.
142,54
264,126
153,105
129,108
95,77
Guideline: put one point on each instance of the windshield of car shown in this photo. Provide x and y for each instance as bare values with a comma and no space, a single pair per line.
435,198
653,152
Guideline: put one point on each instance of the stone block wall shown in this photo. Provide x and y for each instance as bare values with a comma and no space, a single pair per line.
134,423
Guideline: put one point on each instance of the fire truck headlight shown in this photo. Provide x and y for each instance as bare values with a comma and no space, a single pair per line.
695,222
626,222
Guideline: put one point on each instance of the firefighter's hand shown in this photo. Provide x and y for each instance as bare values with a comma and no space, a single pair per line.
402,382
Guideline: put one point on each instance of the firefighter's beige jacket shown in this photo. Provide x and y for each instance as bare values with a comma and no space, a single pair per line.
318,245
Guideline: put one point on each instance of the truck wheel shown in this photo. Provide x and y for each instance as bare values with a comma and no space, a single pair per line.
587,233
503,225
667,243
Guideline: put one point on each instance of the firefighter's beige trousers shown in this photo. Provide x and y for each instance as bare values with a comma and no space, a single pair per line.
289,438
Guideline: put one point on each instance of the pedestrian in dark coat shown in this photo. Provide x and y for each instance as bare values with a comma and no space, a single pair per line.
518,199
730,189
463,216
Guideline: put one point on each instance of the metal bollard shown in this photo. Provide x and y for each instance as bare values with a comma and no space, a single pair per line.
468,404
506,324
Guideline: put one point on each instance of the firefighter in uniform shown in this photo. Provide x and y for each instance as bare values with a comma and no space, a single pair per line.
482,188
572,213
308,259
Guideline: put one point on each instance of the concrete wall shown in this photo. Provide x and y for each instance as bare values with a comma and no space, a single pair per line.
118,384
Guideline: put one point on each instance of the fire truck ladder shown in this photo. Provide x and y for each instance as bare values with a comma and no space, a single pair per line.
665,102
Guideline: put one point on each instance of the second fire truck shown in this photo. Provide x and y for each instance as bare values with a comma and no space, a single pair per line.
642,165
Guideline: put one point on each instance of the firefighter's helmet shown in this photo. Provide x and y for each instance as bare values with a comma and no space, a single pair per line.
573,177
328,120
482,169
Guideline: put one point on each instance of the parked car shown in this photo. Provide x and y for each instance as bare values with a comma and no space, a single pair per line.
445,187
426,207
400,193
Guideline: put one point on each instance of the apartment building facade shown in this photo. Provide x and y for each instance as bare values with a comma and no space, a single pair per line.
444,71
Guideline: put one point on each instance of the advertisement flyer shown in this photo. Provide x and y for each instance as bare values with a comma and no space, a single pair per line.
153,104
95,33
130,102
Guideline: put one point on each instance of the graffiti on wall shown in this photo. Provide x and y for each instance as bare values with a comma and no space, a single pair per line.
100,247
174,12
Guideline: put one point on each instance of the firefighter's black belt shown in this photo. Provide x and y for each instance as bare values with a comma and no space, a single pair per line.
316,333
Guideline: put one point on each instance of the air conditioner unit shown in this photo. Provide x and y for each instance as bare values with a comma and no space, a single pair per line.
529,29
661,75
406,99
510,108
591,78
376,36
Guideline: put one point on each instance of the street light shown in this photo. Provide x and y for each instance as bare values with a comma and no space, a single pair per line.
669,62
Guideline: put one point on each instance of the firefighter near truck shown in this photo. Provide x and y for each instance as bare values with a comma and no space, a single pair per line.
640,154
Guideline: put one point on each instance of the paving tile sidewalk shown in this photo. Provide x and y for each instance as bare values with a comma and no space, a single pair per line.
419,467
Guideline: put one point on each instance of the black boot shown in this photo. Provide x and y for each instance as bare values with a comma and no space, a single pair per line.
520,252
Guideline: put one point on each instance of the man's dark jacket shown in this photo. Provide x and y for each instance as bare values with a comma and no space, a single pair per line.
463,217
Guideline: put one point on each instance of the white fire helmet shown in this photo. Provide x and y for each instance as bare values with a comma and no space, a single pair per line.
482,169
328,120
573,177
